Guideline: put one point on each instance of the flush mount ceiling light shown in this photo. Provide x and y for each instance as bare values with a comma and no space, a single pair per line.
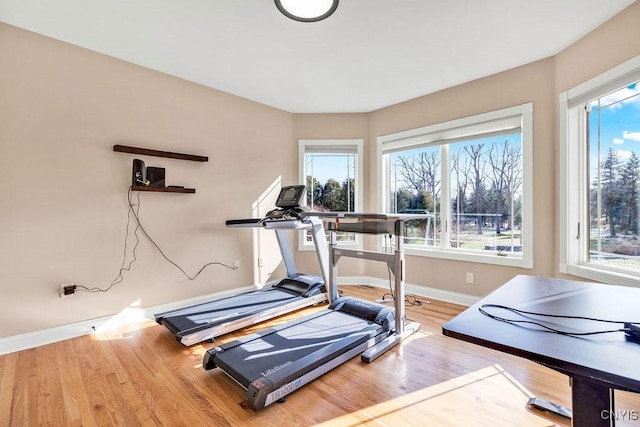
307,10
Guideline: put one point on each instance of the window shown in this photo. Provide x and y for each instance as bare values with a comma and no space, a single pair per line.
332,172
471,180
600,177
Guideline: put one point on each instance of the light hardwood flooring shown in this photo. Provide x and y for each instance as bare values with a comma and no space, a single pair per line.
140,375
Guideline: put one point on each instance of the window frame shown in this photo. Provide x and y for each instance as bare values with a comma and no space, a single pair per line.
480,125
574,188
352,146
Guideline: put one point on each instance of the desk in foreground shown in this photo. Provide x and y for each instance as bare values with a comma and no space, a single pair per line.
596,364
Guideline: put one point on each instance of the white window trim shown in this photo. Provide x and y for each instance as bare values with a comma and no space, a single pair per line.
420,136
573,194
333,145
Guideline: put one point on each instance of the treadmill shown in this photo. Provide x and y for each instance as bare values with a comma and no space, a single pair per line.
205,321
275,362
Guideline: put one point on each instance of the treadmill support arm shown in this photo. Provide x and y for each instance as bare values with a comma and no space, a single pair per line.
286,252
394,260
322,251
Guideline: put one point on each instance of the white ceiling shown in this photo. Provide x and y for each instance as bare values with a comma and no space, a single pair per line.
369,54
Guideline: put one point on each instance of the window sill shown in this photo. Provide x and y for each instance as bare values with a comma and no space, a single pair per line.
601,275
509,261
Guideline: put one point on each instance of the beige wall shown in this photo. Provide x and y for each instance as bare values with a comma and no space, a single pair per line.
530,83
63,202
611,44
63,206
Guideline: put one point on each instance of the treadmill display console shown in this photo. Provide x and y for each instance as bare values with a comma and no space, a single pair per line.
291,196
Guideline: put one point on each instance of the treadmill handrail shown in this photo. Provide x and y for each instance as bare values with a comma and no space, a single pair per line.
365,223
289,224
366,216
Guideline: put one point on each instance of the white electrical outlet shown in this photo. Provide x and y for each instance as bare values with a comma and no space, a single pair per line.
470,278
236,264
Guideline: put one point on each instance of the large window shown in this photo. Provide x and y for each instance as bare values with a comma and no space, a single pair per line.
332,172
600,172
470,179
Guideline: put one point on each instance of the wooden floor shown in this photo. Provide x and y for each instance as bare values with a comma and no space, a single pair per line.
141,376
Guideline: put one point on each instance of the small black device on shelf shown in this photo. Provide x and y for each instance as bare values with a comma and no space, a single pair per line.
156,176
153,179
139,174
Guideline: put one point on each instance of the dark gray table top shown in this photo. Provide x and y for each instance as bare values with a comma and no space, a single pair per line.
610,359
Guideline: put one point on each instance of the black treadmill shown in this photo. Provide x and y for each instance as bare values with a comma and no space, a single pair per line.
205,321
278,361
275,362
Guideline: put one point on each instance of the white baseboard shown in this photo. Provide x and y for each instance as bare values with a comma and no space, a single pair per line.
423,291
134,314
129,315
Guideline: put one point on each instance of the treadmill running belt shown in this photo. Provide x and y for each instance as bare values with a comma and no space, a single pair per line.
268,353
209,314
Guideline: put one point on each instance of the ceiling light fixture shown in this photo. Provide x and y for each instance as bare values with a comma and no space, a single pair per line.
307,10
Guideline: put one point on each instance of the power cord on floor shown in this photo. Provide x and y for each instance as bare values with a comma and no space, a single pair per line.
135,211
409,300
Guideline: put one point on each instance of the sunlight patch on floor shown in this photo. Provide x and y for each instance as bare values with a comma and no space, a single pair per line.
490,395
123,324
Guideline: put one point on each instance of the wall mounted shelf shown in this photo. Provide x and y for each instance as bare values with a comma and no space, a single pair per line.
158,153
164,189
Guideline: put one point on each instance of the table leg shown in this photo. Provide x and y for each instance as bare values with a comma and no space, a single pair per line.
591,404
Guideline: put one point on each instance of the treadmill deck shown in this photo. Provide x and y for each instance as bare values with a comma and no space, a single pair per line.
264,355
215,312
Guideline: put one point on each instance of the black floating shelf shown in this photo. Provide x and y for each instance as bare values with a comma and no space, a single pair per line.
158,153
164,189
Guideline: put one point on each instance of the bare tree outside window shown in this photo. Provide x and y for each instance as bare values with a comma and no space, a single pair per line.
485,178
